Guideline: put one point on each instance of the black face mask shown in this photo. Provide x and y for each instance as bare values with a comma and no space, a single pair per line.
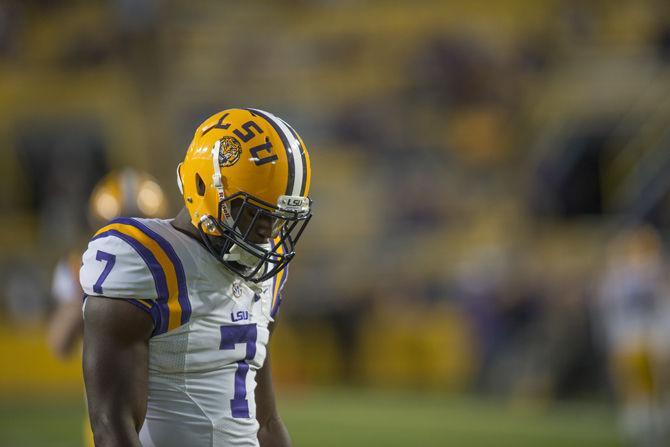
238,248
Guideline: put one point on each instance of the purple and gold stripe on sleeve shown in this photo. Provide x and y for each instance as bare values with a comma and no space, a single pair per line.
149,306
152,308
277,285
173,305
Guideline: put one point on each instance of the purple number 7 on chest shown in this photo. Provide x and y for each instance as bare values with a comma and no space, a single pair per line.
230,336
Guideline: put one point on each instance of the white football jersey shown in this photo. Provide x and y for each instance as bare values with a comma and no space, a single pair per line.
210,330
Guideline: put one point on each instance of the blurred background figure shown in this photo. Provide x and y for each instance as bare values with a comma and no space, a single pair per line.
491,204
126,192
634,312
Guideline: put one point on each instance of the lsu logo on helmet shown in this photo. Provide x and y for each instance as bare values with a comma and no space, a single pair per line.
230,152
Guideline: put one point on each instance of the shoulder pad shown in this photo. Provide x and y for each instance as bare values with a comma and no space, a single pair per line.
113,267
128,259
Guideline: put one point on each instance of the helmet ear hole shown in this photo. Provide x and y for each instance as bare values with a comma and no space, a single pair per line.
199,185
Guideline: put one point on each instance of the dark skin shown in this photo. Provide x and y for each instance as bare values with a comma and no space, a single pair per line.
116,365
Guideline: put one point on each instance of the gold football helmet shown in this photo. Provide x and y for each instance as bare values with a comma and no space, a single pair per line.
245,168
126,192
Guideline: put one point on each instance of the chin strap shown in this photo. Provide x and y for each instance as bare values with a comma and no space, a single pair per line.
217,182
216,177
241,256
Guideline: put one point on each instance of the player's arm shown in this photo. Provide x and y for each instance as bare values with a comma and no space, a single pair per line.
66,325
116,359
65,328
272,431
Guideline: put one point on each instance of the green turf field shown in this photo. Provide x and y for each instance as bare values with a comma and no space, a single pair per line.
347,417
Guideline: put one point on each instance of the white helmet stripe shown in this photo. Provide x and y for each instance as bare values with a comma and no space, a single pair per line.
293,150
302,157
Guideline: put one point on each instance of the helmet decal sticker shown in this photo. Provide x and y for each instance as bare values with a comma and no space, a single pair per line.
266,147
230,153
219,125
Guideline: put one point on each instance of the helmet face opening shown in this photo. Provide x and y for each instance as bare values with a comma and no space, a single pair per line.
256,240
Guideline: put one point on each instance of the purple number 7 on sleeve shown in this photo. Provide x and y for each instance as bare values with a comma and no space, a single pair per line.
230,336
110,259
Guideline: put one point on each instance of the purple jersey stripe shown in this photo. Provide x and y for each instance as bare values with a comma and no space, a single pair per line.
284,273
274,279
154,312
278,301
156,271
183,299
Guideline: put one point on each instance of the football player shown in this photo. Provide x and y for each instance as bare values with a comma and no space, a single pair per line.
634,316
178,313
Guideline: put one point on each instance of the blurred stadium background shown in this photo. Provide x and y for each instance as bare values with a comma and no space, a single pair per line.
487,263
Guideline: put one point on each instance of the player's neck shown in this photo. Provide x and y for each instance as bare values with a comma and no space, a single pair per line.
182,222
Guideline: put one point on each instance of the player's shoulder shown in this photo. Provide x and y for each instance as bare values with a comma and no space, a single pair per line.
129,258
134,259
